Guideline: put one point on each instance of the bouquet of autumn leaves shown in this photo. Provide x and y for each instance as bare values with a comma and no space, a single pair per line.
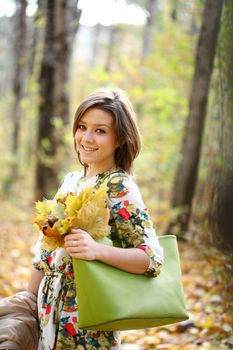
86,211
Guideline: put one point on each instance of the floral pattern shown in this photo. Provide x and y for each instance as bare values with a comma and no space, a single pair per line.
129,225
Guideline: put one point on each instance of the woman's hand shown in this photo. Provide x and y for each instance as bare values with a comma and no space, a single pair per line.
79,244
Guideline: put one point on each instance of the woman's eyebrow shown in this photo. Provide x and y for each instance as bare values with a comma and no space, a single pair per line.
99,124
108,126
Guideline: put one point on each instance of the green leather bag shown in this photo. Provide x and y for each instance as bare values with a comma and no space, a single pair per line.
111,299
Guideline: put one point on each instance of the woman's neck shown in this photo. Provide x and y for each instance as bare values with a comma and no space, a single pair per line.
90,172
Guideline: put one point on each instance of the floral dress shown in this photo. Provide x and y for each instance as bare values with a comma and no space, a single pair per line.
57,300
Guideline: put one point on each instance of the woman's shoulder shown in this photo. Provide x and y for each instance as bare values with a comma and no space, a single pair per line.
70,181
73,175
120,183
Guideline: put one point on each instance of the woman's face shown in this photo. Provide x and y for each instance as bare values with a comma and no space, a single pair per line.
96,140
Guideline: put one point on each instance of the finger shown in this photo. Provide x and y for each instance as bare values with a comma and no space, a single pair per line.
76,230
74,250
72,237
78,233
71,243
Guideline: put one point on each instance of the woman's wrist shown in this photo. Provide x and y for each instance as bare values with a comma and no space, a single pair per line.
101,251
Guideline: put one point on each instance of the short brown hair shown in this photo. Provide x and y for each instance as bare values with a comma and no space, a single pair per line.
115,102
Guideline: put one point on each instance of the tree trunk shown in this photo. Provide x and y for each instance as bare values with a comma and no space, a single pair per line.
186,176
148,32
95,44
62,18
18,82
174,6
37,36
6,58
112,44
221,207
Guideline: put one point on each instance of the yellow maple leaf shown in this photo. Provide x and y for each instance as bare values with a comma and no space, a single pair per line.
72,204
87,211
44,207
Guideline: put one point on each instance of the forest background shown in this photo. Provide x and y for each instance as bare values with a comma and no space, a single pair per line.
174,60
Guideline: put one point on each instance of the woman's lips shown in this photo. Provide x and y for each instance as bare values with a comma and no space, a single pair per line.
89,149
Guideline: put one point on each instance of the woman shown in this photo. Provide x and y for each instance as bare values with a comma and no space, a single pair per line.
107,141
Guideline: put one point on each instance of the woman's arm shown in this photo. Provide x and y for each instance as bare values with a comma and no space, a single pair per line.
81,245
34,282
131,224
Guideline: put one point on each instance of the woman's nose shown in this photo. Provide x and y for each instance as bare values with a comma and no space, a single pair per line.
88,136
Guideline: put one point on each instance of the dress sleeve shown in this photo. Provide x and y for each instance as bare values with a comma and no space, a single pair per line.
130,222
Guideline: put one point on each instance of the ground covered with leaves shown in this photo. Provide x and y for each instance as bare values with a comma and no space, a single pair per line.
206,280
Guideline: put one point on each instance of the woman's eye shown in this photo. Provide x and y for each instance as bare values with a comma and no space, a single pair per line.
100,131
81,126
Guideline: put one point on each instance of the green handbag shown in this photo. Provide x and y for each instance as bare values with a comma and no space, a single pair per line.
111,299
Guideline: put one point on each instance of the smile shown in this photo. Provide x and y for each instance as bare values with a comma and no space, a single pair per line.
89,149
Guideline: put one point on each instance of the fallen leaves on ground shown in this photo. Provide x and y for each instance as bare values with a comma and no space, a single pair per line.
208,293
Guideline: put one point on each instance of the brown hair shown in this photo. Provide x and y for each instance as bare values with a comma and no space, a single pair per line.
115,102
